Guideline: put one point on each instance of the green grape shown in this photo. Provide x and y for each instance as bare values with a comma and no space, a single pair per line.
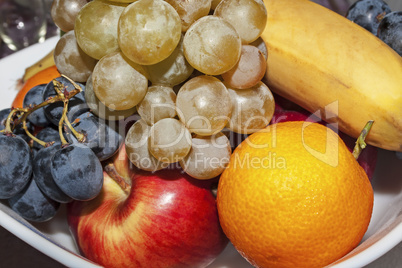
253,108
96,28
169,140
203,104
158,103
122,1
64,12
119,83
137,147
149,31
248,17
208,157
99,109
248,71
215,3
260,44
171,71
190,10
70,60
212,45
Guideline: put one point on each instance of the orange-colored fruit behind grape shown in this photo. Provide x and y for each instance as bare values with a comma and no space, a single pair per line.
294,196
42,77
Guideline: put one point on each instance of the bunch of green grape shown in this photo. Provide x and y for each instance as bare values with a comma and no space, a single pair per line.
192,70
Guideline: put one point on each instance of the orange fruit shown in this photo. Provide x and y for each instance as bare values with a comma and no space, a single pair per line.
42,77
294,196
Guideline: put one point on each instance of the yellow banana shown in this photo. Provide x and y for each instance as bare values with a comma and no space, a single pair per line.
40,65
323,62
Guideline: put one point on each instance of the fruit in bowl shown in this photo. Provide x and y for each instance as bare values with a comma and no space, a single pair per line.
293,195
313,66
160,219
367,158
277,77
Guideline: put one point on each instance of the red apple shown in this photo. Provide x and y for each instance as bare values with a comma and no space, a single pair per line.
144,219
286,115
368,157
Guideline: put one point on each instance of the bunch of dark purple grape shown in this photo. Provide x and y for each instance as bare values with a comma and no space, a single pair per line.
51,150
378,18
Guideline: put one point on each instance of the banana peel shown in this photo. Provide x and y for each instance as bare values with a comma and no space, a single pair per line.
43,63
326,63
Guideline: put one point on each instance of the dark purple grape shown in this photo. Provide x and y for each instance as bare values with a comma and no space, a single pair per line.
368,13
77,171
390,31
47,134
43,176
34,97
15,165
33,205
54,111
102,139
77,110
339,6
3,117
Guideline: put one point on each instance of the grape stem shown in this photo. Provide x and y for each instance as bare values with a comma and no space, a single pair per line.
22,118
62,95
360,142
24,126
8,128
58,87
63,117
76,86
79,136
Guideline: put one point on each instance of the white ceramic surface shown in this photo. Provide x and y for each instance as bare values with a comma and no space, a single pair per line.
53,238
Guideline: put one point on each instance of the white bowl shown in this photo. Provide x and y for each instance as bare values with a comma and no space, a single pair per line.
53,238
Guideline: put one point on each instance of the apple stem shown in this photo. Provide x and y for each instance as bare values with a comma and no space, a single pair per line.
360,142
112,172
